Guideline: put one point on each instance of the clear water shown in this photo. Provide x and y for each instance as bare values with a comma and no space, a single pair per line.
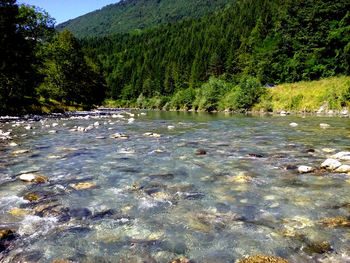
156,200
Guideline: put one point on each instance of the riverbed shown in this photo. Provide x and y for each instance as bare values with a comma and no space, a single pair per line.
154,186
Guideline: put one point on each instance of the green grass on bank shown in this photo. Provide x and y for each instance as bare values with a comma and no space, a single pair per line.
31,105
307,96
217,94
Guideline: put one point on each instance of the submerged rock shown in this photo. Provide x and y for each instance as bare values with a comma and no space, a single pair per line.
19,152
261,259
318,247
119,136
61,261
330,164
254,155
201,152
242,177
181,260
336,222
151,134
19,212
324,125
83,185
32,197
6,235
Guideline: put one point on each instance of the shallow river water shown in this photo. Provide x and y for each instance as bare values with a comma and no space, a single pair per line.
200,186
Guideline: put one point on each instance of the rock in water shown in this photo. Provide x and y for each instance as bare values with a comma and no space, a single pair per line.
293,124
344,156
343,169
201,152
262,259
83,185
336,222
32,178
330,164
305,169
324,125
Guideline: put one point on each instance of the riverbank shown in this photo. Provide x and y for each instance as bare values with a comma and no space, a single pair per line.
330,96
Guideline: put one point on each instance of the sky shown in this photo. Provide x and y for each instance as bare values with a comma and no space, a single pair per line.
63,10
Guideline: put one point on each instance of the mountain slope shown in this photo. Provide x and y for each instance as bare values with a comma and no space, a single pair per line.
129,15
275,41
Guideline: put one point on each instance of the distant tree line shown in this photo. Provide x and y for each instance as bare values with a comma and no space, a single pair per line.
272,41
36,64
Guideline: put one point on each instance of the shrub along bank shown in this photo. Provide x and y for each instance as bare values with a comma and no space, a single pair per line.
249,94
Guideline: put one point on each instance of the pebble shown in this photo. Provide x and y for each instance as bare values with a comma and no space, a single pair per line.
19,212
344,156
32,178
305,169
170,127
201,152
261,259
283,113
20,152
83,185
328,150
293,124
13,144
336,222
52,132
324,125
343,169
330,164
151,134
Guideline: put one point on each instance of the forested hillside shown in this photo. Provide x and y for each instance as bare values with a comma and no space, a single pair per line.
128,15
273,41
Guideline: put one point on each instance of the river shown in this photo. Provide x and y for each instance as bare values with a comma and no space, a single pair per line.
154,186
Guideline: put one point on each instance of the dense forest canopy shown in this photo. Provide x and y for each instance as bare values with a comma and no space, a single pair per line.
274,41
129,15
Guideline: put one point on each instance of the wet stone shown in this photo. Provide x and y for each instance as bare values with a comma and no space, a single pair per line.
83,185
262,259
80,213
201,152
32,197
254,155
164,176
61,261
181,260
6,236
330,164
343,169
33,178
318,247
336,222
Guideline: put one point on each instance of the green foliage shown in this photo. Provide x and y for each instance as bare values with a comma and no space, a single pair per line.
274,41
246,94
35,62
211,93
183,99
21,30
135,15
68,77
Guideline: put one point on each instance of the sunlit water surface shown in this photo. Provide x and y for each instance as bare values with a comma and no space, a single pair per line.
154,199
